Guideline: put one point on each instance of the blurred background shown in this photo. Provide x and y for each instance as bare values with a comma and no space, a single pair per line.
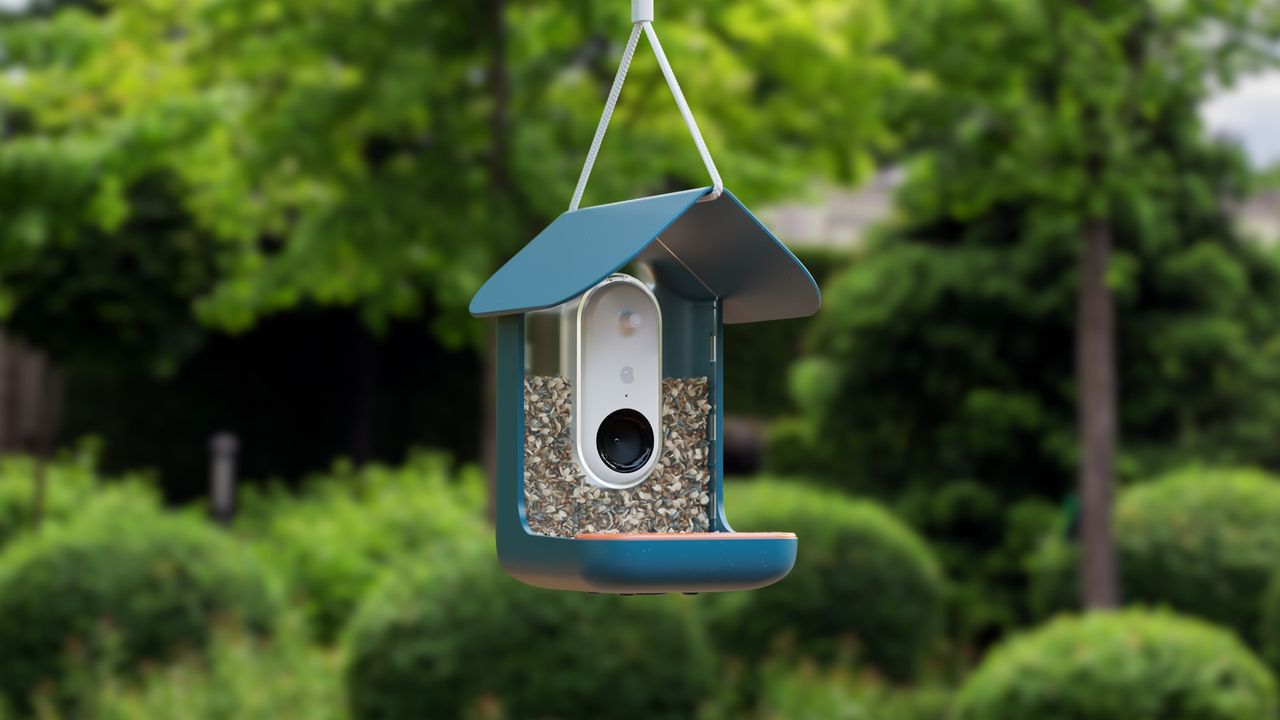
1031,443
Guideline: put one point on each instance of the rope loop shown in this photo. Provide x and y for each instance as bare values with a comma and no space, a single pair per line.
642,16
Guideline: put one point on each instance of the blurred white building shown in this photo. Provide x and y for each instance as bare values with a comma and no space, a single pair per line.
842,217
837,217
1259,216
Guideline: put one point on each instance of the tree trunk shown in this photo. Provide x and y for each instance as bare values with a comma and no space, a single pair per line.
1096,379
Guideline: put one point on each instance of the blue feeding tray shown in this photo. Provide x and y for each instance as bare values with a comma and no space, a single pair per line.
708,262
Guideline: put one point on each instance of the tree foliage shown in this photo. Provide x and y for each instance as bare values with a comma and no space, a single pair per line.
387,155
1042,116
941,372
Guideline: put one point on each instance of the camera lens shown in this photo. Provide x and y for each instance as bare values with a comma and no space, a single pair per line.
625,440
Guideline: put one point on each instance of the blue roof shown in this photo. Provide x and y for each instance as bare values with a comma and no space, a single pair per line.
724,250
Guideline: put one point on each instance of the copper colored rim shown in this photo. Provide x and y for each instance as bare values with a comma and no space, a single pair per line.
688,536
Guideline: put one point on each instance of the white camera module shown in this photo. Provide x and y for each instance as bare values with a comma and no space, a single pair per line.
617,388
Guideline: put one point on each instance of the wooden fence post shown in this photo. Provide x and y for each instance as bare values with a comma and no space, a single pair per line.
223,447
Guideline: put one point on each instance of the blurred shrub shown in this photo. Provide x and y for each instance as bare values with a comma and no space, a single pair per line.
758,355
70,481
332,542
151,582
948,343
983,542
67,485
439,638
809,692
861,577
1132,665
241,677
1204,542
926,363
1054,568
790,444
1269,631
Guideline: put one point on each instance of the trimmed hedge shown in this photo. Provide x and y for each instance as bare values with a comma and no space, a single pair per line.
1204,542
333,542
861,577
1132,665
122,580
440,638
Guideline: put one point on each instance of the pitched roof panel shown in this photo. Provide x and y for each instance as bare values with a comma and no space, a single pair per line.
719,242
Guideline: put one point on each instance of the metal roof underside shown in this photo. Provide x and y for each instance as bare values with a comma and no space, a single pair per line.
729,253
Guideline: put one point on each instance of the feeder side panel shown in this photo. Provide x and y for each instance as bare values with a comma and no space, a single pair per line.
531,558
508,494
688,327
690,348
719,522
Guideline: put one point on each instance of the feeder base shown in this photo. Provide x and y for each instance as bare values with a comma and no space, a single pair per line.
653,563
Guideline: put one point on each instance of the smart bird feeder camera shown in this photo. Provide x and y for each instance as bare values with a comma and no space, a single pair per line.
610,384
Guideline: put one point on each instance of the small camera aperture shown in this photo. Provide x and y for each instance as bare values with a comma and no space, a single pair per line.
625,440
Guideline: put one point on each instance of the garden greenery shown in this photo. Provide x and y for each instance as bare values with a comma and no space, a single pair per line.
864,583
331,542
122,580
241,676
1131,665
785,688
441,638
1203,541
69,481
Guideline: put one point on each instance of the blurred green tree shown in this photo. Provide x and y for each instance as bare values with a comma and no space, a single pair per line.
388,155
384,156
1065,178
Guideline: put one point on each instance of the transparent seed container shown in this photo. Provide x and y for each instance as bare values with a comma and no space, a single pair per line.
668,450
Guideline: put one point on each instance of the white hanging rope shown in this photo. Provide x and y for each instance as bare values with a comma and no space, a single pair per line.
609,104
642,23
717,185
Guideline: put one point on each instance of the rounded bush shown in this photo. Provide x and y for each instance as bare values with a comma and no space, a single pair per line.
70,480
1206,543
122,582
65,485
862,577
332,543
1203,542
439,638
1135,665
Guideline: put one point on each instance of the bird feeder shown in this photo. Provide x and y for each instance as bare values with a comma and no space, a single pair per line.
610,385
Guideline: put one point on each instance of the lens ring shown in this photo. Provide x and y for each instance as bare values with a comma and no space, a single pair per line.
625,440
